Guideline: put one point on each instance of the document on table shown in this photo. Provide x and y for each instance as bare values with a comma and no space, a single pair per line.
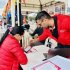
47,66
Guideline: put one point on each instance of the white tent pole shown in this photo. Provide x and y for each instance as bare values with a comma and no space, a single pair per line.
66,3
13,12
18,12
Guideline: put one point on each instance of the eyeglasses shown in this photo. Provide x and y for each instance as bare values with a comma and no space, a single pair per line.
39,22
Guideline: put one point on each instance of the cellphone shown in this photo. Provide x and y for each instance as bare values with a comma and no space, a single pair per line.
27,49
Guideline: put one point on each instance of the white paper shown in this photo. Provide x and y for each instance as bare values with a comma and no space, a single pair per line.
46,66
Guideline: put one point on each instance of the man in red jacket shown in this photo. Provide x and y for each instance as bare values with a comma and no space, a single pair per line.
60,27
42,32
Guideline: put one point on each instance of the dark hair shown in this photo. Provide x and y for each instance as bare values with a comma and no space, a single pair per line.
27,26
41,15
15,30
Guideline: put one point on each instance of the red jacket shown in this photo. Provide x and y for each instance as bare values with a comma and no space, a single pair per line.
63,29
63,24
11,54
46,33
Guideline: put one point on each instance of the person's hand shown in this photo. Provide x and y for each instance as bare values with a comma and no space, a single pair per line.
31,41
35,36
51,51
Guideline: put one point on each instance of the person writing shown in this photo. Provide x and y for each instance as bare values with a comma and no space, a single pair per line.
38,31
11,53
42,32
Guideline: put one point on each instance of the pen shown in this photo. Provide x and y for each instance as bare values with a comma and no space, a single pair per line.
44,59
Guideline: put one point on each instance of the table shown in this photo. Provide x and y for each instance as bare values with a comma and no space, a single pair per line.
61,62
35,57
54,63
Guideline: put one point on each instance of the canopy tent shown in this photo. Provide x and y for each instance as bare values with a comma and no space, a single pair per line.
34,5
